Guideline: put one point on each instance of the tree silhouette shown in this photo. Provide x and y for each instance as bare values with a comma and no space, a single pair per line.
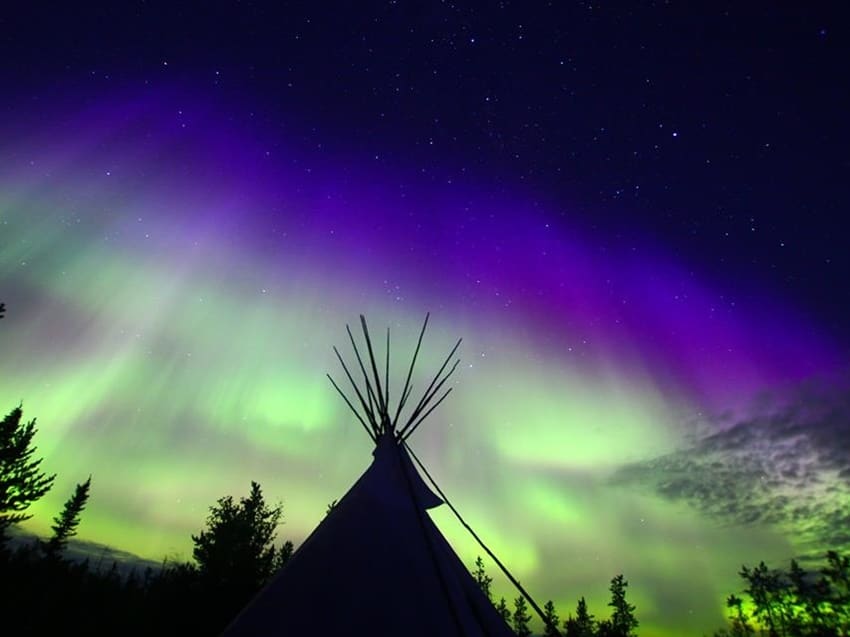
65,524
623,620
502,609
837,580
795,603
583,624
482,579
283,554
809,598
552,620
521,618
21,480
235,556
2,309
764,587
605,629
740,626
235,551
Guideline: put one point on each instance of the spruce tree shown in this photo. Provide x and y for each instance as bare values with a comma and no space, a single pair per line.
65,524
762,587
740,626
22,481
837,582
623,620
284,553
331,506
482,579
502,609
521,618
235,551
583,625
235,556
552,620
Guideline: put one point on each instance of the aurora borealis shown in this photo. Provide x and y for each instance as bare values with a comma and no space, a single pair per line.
177,264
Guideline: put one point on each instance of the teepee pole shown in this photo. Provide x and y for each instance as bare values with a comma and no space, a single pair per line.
366,408
370,393
374,396
408,429
440,384
405,393
403,401
381,405
428,395
427,413
387,382
492,555
351,407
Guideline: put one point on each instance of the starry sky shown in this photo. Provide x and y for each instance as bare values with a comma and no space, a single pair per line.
634,216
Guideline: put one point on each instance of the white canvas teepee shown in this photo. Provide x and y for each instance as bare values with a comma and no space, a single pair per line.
377,565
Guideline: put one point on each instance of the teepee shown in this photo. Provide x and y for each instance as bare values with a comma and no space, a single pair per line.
377,564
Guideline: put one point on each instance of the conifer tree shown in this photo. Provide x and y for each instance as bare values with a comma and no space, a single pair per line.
502,609
837,580
623,620
235,556
807,599
552,620
605,629
482,579
284,553
331,506
583,625
235,551
521,618
65,524
762,588
22,481
740,626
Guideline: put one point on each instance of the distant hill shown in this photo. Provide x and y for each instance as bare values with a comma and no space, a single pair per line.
100,556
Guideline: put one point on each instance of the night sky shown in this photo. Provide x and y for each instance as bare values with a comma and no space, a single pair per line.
635,218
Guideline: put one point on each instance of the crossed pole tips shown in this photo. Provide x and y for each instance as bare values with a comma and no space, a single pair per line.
372,396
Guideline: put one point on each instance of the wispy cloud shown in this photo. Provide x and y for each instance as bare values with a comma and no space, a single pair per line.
787,465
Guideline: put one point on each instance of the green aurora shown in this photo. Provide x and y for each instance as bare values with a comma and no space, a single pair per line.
174,364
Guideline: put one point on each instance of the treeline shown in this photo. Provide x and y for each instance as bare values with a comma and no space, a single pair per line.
621,623
44,592
775,603
792,603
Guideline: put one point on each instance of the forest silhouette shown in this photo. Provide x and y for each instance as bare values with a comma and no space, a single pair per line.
235,554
